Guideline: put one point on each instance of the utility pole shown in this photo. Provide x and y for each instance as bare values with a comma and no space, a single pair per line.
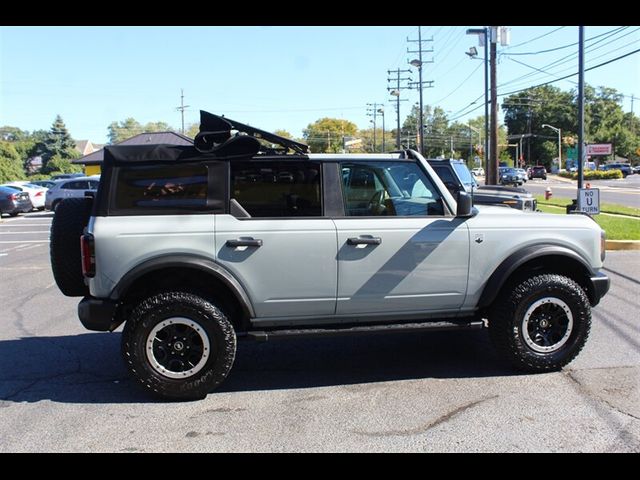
419,63
373,111
493,148
631,120
396,93
182,108
580,105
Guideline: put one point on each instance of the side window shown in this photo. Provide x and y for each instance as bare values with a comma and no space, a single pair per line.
388,189
162,188
277,189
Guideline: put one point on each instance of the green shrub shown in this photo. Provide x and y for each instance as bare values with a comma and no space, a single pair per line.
593,174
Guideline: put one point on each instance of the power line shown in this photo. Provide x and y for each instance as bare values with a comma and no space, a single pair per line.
572,56
534,39
575,73
460,85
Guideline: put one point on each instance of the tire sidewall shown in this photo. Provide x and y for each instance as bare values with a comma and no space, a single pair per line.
215,326
521,298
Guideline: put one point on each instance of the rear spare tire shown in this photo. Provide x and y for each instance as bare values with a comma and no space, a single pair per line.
71,216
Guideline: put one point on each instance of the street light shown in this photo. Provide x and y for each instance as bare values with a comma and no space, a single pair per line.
483,35
381,112
418,64
559,132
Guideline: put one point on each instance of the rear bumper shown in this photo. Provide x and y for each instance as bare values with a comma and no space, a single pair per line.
601,284
98,314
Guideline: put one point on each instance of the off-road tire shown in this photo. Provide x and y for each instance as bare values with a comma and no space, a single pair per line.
207,319
72,215
506,322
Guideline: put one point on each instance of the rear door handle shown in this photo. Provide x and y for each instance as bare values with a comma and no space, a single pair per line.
364,241
244,242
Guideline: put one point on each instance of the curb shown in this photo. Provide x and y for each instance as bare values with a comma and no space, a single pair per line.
622,245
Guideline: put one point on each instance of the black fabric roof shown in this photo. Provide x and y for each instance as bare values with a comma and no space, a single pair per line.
126,154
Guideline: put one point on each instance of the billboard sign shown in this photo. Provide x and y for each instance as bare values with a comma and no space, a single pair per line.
599,149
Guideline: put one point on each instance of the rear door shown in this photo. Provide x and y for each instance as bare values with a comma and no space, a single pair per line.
277,242
398,250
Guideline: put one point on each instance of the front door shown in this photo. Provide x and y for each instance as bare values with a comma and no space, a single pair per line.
397,249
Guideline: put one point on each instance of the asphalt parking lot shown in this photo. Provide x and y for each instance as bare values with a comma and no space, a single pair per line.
63,388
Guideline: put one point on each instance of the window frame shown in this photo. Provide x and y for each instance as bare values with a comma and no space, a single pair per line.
342,198
215,175
271,160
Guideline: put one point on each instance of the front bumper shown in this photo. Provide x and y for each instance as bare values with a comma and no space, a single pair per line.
98,314
600,284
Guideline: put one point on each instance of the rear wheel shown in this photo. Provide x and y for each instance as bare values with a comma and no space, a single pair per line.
179,345
542,323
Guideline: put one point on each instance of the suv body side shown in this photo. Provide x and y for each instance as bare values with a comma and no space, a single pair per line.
306,271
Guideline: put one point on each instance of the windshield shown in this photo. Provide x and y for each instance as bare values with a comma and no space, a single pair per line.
464,174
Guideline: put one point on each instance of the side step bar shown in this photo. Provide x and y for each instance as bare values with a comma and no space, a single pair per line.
263,336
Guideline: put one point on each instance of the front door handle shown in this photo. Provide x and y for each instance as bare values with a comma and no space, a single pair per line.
364,241
244,242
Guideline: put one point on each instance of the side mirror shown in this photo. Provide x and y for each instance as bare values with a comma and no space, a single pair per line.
464,205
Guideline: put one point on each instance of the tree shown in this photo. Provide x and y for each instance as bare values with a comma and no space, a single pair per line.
283,133
118,131
326,134
193,130
58,164
57,141
10,163
130,127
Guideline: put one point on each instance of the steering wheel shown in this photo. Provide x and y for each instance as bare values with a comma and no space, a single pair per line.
376,204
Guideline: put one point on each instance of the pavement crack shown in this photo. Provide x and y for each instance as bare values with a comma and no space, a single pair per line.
582,388
434,423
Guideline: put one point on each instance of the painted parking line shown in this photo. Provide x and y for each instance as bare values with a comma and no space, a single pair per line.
23,233
24,241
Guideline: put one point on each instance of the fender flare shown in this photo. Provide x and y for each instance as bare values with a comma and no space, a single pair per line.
185,261
519,258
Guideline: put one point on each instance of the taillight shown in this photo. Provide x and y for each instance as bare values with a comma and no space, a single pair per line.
13,196
38,194
88,252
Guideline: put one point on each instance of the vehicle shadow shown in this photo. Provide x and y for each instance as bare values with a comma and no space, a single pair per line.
307,363
88,368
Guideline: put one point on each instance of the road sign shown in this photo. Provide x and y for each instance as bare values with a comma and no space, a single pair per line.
589,201
599,149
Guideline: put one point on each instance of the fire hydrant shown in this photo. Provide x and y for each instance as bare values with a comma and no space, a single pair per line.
548,193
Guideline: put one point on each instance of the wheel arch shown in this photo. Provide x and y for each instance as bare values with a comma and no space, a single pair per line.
543,259
188,273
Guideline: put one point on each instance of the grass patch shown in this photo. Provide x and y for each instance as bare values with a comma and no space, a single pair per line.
604,207
617,228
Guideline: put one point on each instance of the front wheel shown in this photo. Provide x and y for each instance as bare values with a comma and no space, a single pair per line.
542,323
178,345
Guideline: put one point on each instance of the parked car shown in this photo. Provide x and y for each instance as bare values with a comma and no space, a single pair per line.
625,168
43,183
62,176
14,201
456,177
478,172
71,188
538,172
36,192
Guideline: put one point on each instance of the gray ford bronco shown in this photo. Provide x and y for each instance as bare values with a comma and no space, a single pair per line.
247,235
